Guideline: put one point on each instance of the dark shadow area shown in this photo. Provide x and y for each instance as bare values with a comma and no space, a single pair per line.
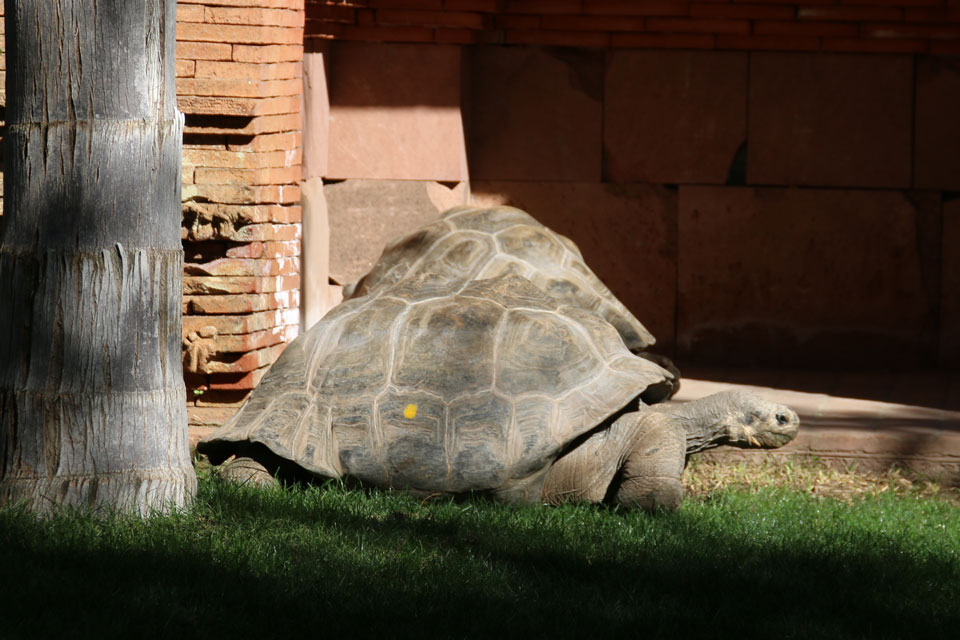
250,565
922,387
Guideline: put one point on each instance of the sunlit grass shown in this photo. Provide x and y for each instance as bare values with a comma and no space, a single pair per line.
735,561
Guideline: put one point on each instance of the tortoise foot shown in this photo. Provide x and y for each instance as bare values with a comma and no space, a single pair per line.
246,471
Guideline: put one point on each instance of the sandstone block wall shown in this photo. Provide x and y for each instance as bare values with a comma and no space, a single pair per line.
761,182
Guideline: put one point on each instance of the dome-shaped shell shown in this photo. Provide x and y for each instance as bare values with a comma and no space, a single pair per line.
438,389
468,243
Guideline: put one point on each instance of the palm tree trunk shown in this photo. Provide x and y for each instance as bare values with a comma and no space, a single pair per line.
92,400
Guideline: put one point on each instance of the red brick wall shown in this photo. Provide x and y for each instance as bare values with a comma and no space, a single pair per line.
239,83
869,26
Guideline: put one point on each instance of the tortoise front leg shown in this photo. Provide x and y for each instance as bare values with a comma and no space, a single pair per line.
637,462
649,477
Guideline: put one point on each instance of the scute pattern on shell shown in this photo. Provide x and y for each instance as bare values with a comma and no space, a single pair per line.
453,389
468,243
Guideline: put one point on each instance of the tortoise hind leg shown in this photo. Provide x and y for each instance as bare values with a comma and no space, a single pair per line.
653,464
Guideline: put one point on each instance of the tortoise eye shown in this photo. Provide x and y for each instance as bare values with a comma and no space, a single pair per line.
781,419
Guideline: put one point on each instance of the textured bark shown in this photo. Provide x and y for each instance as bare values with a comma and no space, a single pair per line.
92,408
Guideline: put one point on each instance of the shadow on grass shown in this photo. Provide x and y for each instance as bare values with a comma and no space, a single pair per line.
322,561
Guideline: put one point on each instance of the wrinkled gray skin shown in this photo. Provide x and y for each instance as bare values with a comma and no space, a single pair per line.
638,461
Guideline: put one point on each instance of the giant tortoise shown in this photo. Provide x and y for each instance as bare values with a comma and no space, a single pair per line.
469,243
484,386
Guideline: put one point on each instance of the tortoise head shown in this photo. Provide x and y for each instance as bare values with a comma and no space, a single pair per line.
752,421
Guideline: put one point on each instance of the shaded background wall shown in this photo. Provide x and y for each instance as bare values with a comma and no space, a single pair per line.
765,183
770,183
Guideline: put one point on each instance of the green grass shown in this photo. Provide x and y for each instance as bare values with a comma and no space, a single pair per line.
269,563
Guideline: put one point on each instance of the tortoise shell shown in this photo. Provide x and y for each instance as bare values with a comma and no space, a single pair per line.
468,243
430,387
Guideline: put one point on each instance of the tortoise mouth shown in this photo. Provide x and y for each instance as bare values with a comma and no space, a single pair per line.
770,437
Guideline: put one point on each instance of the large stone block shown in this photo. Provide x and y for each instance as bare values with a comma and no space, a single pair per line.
533,113
937,159
828,278
627,234
950,286
673,116
395,112
365,215
830,120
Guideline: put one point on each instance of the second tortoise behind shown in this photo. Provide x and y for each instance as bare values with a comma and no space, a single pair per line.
470,243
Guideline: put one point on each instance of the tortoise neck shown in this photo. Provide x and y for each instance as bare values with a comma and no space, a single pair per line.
704,421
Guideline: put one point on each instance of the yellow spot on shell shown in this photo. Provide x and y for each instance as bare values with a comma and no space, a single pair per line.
410,411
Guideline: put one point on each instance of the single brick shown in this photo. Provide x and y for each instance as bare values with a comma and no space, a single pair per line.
237,325
663,40
812,28
203,50
874,45
237,380
559,38
522,22
455,19
487,6
243,194
209,158
283,175
243,267
268,142
330,13
855,14
387,34
634,8
267,232
593,23
250,361
543,6
238,34
238,304
768,43
698,25
458,36
742,11
405,4
221,70
250,16
239,88
913,30
263,53
189,13
238,284
264,250
186,68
